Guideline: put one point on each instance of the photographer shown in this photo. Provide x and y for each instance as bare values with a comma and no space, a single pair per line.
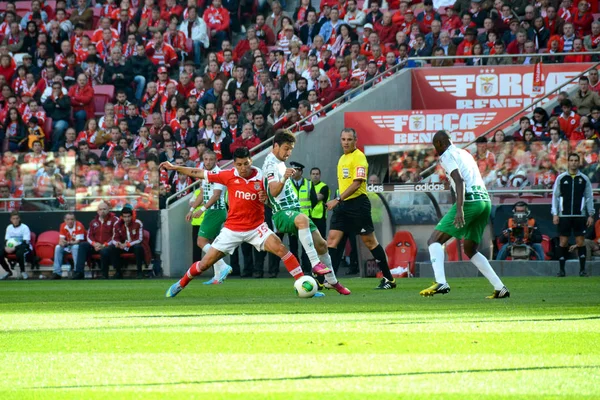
521,230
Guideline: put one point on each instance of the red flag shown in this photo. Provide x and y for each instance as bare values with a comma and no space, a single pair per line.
539,80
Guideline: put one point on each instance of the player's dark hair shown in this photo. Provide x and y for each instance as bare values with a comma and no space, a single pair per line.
241,152
574,155
283,136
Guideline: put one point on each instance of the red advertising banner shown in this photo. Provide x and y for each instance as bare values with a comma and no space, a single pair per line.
488,87
385,128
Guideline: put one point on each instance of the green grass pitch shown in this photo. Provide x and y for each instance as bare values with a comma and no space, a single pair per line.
253,339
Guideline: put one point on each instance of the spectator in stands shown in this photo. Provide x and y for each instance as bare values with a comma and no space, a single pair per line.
71,233
499,51
35,9
161,53
584,99
219,142
128,237
58,107
217,20
420,48
82,15
568,119
15,131
476,50
354,17
246,139
577,48
582,19
263,129
195,28
142,70
21,234
118,73
374,15
310,29
82,101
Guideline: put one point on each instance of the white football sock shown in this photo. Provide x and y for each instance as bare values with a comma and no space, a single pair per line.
219,265
307,244
483,265
330,277
436,253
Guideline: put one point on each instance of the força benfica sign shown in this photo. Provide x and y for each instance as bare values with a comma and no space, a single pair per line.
487,87
376,128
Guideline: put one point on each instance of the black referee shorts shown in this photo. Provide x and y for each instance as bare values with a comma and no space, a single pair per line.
577,225
353,216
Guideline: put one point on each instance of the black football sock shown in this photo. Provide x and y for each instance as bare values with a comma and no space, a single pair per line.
562,257
581,252
336,257
381,259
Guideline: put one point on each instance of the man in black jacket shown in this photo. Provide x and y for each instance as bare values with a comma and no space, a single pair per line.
311,29
118,72
142,70
292,100
220,142
58,107
572,202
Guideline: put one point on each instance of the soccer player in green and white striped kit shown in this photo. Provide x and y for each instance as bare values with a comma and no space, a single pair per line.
287,217
214,207
466,219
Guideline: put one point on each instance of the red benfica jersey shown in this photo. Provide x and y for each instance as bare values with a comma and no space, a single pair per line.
246,211
77,232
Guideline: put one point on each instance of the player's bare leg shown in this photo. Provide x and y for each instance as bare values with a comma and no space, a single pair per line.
212,256
220,267
321,249
303,224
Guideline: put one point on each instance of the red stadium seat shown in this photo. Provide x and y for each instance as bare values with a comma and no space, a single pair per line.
102,95
452,251
96,17
48,130
3,6
402,253
44,247
547,245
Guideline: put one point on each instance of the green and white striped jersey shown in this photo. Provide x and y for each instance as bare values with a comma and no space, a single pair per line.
208,191
273,171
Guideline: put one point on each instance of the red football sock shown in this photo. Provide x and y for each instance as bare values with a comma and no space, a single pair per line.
292,265
190,274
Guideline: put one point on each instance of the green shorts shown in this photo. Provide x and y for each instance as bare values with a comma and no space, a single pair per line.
283,221
477,216
212,223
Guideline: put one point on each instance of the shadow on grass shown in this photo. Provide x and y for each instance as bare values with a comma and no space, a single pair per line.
312,377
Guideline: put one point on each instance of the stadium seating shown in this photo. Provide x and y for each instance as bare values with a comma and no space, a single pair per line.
402,253
44,247
102,95
452,252
94,261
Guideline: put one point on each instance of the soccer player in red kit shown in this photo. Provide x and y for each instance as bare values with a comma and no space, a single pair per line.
245,220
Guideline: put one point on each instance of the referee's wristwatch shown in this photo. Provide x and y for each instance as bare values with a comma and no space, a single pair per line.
339,199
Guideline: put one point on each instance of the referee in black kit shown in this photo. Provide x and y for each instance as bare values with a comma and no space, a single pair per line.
352,208
572,202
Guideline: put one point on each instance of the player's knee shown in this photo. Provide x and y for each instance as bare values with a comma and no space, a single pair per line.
470,248
201,242
301,221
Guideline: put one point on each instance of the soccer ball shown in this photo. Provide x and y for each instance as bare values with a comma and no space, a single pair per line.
10,243
306,287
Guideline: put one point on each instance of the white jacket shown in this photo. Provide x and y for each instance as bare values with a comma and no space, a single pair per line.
199,31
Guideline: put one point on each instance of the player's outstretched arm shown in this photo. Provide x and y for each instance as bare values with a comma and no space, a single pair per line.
193,172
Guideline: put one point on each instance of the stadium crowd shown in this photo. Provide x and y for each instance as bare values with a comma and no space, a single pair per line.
119,86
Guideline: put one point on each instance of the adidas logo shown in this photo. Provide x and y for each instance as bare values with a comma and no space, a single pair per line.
363,230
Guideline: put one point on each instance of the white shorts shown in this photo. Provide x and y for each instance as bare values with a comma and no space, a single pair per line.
229,240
